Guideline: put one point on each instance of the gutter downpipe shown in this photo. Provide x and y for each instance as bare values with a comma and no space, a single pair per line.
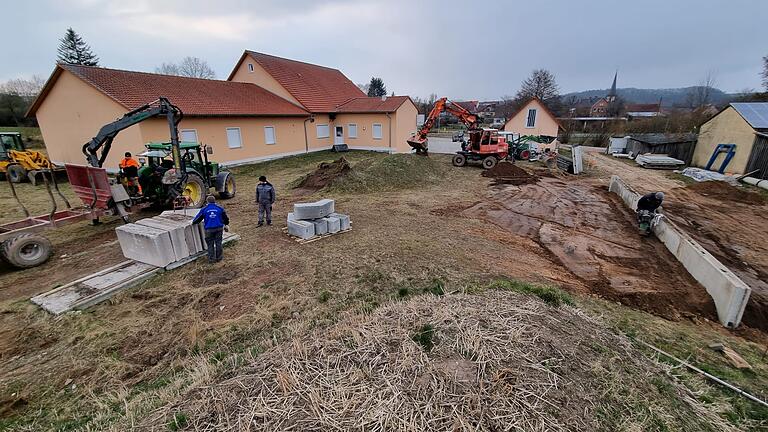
390,132
306,136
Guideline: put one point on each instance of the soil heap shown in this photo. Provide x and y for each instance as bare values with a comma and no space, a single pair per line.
725,192
509,173
325,174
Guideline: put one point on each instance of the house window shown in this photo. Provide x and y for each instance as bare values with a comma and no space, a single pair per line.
323,131
531,118
250,67
233,138
377,131
269,135
188,135
352,130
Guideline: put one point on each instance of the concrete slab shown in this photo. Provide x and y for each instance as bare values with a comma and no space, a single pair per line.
321,226
291,216
334,224
177,231
315,210
146,244
344,221
197,231
727,290
301,229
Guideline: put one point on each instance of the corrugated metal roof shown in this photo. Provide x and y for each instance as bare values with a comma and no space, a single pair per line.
755,113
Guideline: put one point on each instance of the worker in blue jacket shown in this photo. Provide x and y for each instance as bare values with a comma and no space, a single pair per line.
216,221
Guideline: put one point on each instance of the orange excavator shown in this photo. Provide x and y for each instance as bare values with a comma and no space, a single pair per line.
484,145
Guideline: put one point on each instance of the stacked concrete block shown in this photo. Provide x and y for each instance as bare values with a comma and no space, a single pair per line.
175,230
195,233
344,221
321,226
334,224
320,215
146,244
302,229
315,210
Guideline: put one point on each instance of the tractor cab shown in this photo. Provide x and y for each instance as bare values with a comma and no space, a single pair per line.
10,141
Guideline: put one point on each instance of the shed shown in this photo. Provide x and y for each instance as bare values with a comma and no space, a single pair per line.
678,146
744,124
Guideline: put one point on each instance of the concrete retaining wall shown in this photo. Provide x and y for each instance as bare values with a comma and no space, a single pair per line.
729,293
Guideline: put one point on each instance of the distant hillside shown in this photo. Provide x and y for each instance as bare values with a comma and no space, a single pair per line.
669,97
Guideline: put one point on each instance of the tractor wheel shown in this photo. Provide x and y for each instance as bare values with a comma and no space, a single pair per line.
525,155
16,173
230,188
459,160
490,162
194,191
26,250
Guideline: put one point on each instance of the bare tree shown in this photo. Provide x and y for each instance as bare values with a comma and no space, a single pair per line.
168,69
701,95
541,84
193,67
15,97
364,87
28,88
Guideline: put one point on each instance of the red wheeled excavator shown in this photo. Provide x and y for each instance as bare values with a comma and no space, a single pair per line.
484,145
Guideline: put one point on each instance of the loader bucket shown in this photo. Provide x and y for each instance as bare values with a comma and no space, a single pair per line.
91,184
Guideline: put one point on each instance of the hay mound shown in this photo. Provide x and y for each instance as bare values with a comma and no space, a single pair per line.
391,172
509,173
325,174
725,192
494,361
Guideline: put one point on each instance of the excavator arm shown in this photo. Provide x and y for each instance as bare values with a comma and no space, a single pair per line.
107,133
419,140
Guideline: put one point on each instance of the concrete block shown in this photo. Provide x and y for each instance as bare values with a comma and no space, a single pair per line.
178,233
302,229
315,210
334,224
344,221
195,233
727,290
291,216
146,244
321,226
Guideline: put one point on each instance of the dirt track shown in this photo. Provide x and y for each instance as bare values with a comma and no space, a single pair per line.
585,229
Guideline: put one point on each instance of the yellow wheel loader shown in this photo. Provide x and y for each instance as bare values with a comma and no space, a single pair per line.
20,164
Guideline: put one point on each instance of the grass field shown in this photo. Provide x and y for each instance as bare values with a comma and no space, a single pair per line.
413,285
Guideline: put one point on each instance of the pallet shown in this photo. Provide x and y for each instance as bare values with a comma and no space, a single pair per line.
300,240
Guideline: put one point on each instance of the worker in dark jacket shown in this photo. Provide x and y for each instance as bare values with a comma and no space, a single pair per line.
650,202
265,197
216,221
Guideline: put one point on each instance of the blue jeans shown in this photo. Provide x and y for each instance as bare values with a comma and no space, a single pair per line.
213,241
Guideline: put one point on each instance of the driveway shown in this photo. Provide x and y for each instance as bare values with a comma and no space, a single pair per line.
443,145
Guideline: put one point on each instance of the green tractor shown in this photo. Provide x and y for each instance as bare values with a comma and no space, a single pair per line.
156,176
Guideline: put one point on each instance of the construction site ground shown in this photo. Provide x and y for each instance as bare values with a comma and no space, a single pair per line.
435,281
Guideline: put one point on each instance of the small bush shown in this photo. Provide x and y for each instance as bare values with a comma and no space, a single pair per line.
424,336
403,292
437,287
550,295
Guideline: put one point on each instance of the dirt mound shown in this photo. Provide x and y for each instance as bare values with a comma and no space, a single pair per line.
392,172
325,174
725,192
509,173
454,362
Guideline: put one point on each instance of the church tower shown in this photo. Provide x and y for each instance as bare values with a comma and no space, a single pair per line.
612,93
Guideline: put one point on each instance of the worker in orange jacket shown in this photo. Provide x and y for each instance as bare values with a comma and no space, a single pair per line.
130,169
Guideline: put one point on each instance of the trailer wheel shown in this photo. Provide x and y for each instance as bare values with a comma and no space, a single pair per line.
26,250
490,162
16,173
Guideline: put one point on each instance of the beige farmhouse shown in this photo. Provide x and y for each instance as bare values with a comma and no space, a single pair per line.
269,107
533,118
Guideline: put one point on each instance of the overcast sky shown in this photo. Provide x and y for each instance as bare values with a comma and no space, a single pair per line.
461,49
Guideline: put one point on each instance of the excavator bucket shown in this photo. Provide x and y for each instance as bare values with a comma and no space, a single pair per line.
418,144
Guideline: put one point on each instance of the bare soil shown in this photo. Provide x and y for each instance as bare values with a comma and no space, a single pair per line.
509,173
727,193
325,174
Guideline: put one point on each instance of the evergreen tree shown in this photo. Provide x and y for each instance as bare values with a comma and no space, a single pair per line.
74,50
376,88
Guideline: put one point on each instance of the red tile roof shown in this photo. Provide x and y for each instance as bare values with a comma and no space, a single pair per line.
372,104
195,96
654,107
470,106
320,89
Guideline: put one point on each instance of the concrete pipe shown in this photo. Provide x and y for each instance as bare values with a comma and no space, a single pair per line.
756,182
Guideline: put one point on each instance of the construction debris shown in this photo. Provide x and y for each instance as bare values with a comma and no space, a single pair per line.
655,161
732,356
309,220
